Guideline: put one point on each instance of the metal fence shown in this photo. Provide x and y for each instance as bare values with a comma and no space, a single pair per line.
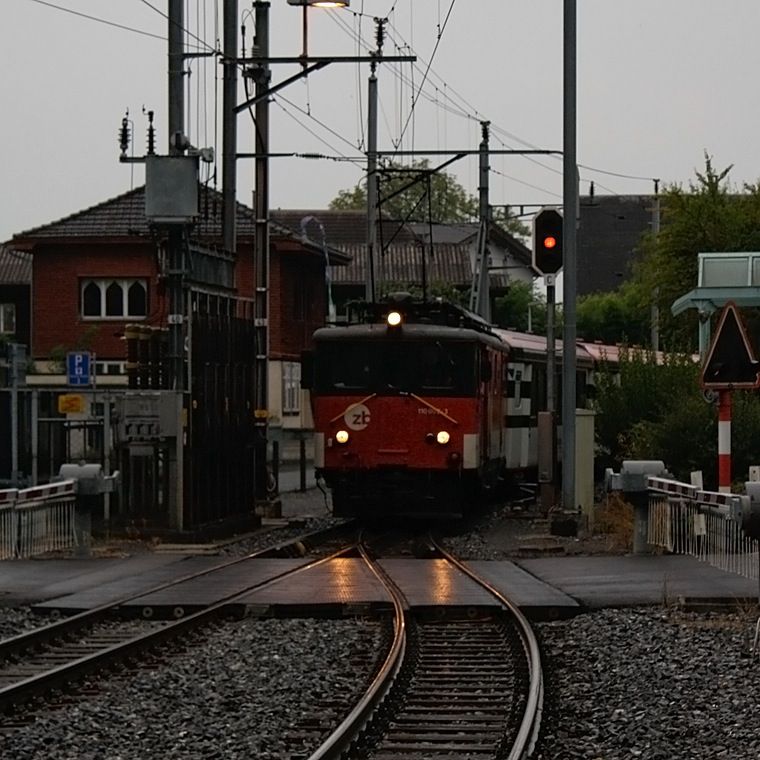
703,524
37,520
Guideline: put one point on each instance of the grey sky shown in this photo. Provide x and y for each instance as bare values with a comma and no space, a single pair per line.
659,82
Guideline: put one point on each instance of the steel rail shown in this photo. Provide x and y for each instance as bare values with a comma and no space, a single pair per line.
530,725
341,738
48,633
41,683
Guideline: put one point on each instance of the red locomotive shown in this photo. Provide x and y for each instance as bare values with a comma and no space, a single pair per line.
420,408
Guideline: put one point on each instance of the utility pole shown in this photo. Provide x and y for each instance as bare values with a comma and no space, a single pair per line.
261,263
176,232
570,205
482,301
176,244
372,177
655,309
229,127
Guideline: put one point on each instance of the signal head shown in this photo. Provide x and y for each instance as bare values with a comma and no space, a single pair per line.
547,241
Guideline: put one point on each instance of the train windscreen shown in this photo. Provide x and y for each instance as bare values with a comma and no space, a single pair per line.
430,369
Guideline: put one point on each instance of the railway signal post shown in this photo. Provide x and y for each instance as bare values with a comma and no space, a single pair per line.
547,260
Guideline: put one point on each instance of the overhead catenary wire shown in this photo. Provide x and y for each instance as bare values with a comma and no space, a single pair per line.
100,20
467,110
202,42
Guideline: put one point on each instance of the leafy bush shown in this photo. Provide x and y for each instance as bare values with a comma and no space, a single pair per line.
658,411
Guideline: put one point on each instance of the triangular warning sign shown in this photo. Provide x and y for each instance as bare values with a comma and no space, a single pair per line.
730,361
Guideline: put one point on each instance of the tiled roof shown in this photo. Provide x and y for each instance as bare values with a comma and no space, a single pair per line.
345,227
466,232
403,263
15,267
124,216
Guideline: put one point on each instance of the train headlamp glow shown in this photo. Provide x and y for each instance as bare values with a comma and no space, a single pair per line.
442,437
393,318
342,436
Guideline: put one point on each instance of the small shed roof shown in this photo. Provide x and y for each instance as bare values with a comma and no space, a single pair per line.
15,267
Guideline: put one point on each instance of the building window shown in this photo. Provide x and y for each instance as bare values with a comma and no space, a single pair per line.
7,318
302,301
114,299
291,388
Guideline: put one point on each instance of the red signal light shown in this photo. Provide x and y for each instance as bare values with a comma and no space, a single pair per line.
547,241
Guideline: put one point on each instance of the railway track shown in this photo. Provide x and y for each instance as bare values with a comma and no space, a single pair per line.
55,656
464,688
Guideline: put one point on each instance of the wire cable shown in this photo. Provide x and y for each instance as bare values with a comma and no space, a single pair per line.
100,20
188,33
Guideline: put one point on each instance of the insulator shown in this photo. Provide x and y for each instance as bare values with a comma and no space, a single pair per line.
151,135
380,33
124,136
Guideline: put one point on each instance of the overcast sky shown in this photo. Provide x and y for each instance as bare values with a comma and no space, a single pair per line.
659,82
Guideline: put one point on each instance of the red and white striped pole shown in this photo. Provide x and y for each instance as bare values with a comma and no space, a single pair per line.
724,441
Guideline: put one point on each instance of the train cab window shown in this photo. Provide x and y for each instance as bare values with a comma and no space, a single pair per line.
343,368
438,368
429,369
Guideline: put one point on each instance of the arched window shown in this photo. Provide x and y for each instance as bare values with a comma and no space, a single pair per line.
137,300
91,306
114,300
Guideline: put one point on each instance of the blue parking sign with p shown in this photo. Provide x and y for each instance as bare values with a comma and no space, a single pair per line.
78,366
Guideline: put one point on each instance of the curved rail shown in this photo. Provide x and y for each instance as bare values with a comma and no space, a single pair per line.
340,740
530,725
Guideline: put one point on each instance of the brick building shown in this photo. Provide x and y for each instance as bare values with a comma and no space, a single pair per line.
104,267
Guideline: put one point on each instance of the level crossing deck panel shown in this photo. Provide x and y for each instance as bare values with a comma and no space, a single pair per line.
434,582
643,579
221,584
35,580
143,576
529,593
343,580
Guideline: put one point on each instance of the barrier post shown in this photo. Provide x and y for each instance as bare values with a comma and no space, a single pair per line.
302,463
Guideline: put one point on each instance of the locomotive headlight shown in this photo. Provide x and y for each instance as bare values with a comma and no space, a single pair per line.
342,436
442,437
393,318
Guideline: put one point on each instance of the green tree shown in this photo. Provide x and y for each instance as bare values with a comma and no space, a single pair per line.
710,216
647,410
403,199
640,393
614,317
522,307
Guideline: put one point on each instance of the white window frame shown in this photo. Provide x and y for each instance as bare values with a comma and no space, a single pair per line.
103,284
7,323
291,388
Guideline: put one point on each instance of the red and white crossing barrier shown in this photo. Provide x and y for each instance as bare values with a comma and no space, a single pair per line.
724,441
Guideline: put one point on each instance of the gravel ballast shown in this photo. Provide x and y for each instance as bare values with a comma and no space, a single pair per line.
645,682
651,683
656,683
260,689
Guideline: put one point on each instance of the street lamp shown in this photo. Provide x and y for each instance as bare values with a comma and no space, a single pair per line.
315,4
322,3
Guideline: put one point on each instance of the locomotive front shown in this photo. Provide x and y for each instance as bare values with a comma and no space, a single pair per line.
398,408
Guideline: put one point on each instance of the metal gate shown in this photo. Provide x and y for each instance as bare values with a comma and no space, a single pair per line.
219,461
45,437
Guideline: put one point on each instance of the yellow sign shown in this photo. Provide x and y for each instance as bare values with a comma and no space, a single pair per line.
71,403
